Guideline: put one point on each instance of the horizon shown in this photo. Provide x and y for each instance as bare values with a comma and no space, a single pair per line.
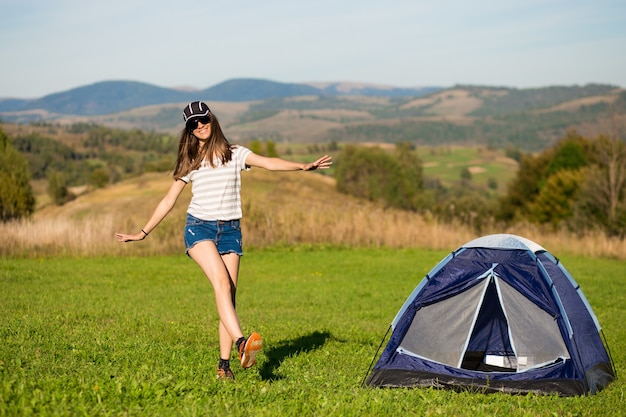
189,88
318,84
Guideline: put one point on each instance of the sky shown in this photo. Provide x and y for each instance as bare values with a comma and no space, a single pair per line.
53,46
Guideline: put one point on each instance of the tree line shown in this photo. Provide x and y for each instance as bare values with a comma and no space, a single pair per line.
578,183
103,156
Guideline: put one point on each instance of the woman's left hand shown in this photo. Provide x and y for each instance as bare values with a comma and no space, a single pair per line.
322,163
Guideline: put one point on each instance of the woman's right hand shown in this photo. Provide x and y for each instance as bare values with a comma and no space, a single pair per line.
123,237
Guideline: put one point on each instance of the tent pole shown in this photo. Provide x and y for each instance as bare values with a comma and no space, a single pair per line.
608,352
374,358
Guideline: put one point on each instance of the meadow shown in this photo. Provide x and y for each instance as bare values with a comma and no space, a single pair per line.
100,328
485,165
136,336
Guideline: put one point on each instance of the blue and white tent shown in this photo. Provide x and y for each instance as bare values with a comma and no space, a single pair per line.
498,314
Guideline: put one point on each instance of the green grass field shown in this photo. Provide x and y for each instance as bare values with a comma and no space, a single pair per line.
137,337
446,164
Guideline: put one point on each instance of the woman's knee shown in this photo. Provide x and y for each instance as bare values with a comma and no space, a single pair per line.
222,283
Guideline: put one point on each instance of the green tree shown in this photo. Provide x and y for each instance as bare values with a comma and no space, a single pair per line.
16,194
99,178
603,198
412,173
524,188
466,174
270,147
572,153
256,146
555,202
374,174
467,205
57,188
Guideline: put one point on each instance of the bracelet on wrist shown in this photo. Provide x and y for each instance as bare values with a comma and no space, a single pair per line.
144,232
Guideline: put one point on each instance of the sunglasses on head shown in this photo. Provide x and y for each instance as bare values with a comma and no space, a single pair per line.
193,123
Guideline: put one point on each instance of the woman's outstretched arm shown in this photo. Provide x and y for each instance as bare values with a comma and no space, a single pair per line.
278,164
162,209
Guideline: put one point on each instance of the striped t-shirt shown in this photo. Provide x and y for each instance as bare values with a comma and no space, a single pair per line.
216,192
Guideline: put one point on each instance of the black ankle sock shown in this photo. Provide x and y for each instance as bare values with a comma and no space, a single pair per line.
224,364
239,342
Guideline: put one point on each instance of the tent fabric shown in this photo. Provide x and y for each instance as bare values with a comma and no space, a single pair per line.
498,314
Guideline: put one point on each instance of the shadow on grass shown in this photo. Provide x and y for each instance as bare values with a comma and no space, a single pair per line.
277,354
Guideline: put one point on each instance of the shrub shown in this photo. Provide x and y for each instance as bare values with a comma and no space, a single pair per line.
16,194
377,175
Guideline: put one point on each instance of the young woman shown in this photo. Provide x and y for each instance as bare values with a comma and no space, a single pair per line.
212,231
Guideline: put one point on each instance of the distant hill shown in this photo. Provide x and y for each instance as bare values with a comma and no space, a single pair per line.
371,90
116,96
248,109
101,98
252,90
498,117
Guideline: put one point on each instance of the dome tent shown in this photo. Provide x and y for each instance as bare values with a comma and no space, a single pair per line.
498,314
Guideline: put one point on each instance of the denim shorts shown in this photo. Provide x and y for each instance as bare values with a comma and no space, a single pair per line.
225,234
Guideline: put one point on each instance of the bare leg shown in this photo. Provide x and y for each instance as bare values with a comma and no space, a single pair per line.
206,256
231,260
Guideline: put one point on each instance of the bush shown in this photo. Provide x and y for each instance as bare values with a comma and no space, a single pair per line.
99,178
57,188
16,194
377,175
579,182
466,205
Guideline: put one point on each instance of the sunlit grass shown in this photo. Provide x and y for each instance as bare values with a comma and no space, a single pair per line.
137,336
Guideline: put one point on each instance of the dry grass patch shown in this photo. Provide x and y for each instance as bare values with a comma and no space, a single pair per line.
279,209
448,103
287,124
575,105
456,103
338,115
476,170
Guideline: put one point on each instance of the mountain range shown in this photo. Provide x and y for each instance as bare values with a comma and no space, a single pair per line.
116,96
248,109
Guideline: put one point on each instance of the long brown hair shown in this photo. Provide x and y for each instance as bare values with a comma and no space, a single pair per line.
190,154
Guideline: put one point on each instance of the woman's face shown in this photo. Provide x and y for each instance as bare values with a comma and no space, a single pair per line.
202,131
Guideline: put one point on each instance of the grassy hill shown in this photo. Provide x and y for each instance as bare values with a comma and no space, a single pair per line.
295,209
